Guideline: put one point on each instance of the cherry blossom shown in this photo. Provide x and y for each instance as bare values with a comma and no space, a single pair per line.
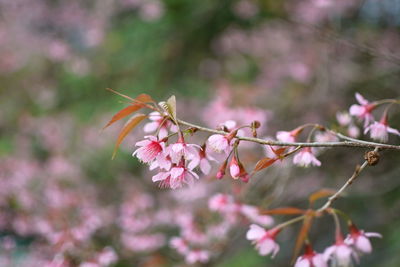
380,130
159,123
340,252
149,149
181,149
176,177
362,111
305,158
360,239
263,240
219,143
311,259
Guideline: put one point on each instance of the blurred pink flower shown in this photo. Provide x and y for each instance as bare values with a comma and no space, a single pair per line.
360,239
263,240
362,111
305,158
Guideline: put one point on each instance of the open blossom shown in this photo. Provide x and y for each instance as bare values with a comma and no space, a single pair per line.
311,259
175,178
340,252
221,143
380,130
202,160
263,240
181,150
158,122
288,136
362,111
360,240
149,149
305,158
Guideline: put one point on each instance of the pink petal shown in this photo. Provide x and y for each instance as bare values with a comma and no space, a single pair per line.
361,99
255,232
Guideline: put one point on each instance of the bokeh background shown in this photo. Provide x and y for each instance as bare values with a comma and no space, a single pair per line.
285,63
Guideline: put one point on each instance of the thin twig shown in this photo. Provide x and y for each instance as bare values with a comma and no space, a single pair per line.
356,173
346,143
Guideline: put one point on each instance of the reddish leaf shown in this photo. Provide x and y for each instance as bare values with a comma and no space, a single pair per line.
320,194
125,96
124,112
144,98
131,123
263,163
305,228
278,152
284,211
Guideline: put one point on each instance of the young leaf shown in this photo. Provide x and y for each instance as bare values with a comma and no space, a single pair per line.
320,194
144,98
263,163
131,123
170,107
305,228
283,211
124,112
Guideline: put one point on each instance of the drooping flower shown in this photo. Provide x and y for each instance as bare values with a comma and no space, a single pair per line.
203,161
288,136
340,252
380,130
149,149
311,259
175,178
364,110
221,143
360,239
263,240
305,158
183,150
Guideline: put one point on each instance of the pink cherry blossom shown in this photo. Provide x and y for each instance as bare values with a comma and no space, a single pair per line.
158,122
179,244
362,111
380,130
218,142
288,136
263,240
149,149
360,240
341,253
202,160
222,203
253,214
305,158
175,178
343,118
183,150
311,259
234,168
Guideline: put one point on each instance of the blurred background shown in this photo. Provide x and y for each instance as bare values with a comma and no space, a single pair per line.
64,202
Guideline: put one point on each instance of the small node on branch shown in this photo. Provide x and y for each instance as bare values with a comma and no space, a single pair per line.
372,157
